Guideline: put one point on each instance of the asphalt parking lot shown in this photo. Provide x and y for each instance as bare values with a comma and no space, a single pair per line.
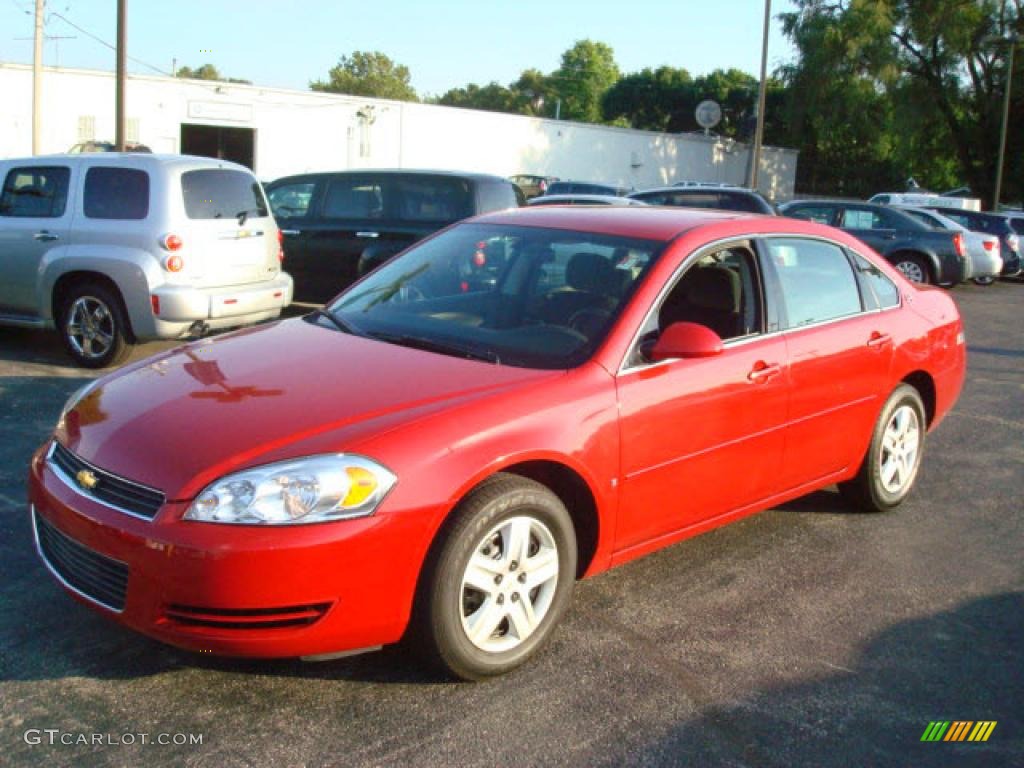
806,635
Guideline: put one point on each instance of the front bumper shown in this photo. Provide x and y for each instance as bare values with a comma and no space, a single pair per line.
228,589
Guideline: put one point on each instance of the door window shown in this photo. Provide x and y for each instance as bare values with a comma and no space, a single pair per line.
436,199
116,193
882,289
291,201
820,214
349,198
816,280
35,192
855,218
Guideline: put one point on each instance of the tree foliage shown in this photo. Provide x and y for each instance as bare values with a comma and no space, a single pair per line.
207,72
368,73
587,71
929,73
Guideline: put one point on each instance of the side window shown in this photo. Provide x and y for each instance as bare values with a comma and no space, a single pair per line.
884,290
1018,226
816,213
353,199
498,196
436,199
35,192
816,280
855,218
116,193
291,200
721,290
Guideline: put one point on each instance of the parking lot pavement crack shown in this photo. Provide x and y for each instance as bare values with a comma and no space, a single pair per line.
727,731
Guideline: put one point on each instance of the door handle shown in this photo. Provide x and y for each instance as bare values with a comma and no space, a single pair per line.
763,371
367,234
291,232
45,237
879,339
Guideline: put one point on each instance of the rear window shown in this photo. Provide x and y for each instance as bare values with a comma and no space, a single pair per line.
219,193
116,193
497,197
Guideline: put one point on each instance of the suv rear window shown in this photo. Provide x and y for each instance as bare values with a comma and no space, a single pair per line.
222,194
116,193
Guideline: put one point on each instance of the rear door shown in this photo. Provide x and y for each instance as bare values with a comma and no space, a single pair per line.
35,217
230,236
870,226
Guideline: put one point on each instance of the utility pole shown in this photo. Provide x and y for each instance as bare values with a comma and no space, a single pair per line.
755,160
37,79
122,58
1012,42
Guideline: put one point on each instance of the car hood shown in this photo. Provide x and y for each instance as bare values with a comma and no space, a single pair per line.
185,417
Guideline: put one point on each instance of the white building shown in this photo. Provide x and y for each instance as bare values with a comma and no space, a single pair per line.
279,132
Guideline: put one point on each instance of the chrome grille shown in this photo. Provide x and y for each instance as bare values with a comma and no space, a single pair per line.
109,489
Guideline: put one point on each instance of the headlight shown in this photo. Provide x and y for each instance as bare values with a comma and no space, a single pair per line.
73,400
315,489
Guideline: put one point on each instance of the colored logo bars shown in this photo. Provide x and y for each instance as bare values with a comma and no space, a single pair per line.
958,730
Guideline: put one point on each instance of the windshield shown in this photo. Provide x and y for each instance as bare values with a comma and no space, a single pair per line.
522,296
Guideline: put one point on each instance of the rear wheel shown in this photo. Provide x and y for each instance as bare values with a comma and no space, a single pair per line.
894,456
93,325
912,267
987,280
501,580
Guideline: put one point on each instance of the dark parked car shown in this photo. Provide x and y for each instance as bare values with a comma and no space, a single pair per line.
999,224
339,226
532,185
585,188
716,198
923,254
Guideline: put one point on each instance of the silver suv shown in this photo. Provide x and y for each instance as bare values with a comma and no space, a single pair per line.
116,248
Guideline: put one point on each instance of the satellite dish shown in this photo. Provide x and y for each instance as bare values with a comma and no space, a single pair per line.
709,114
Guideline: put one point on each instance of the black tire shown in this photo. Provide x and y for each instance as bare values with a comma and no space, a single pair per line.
987,280
912,267
108,341
444,601
869,490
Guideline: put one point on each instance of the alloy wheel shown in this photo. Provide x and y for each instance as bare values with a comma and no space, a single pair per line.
508,584
901,444
90,327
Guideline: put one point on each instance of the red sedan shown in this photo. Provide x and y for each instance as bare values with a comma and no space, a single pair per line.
522,400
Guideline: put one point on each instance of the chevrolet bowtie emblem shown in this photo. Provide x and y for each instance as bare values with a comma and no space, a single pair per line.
87,479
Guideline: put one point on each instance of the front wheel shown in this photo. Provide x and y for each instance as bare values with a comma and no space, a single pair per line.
502,579
913,268
894,456
93,326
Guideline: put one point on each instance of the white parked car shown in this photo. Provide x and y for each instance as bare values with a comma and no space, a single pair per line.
986,261
112,248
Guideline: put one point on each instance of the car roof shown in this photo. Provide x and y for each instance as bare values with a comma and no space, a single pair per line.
584,198
695,190
473,175
131,159
644,222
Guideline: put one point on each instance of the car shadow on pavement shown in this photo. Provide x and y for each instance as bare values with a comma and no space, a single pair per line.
959,665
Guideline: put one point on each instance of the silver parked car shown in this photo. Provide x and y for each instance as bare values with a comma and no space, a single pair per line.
982,250
113,248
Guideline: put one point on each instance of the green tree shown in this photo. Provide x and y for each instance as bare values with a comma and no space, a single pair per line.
947,54
368,74
587,71
207,72
661,99
493,97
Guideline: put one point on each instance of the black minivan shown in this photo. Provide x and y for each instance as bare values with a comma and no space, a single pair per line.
338,226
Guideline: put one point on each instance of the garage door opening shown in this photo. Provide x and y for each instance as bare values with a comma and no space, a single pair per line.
235,144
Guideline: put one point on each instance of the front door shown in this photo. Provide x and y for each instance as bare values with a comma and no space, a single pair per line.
35,217
703,437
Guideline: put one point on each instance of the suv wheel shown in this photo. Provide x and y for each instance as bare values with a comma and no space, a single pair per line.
502,579
93,325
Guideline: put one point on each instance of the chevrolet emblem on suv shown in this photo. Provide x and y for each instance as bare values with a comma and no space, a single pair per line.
87,479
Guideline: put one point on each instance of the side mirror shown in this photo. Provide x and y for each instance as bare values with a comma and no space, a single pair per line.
686,340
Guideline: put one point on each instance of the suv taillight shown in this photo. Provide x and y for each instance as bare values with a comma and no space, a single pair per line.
280,246
958,244
991,245
171,242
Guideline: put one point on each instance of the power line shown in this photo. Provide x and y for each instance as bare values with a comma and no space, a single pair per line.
101,41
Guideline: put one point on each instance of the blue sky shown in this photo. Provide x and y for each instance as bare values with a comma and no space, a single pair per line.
445,43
